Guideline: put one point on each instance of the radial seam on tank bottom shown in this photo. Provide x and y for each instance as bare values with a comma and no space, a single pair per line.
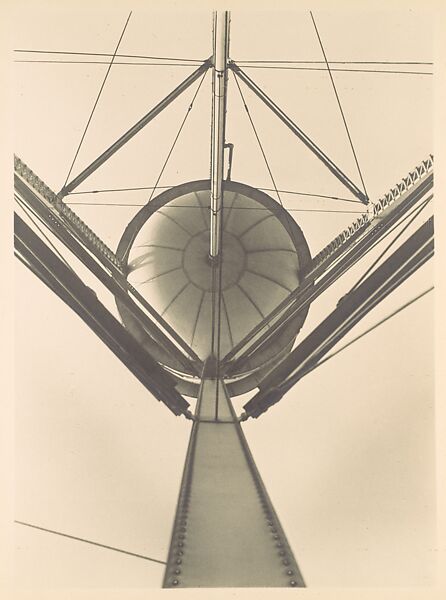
158,246
202,210
271,250
254,225
225,221
159,275
175,297
160,212
269,279
231,339
251,300
197,317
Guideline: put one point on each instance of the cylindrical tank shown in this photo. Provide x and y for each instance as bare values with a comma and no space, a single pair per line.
264,255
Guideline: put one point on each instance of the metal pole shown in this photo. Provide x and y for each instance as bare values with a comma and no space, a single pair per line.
219,87
300,134
134,130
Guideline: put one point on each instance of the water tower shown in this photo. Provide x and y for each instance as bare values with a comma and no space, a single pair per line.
213,280
215,257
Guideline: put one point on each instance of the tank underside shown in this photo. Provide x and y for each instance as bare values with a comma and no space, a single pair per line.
263,258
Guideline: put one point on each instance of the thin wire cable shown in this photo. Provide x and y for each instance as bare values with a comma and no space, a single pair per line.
314,195
97,99
392,72
396,238
166,187
335,62
258,139
105,62
361,335
78,539
245,66
122,204
155,187
36,225
141,56
339,104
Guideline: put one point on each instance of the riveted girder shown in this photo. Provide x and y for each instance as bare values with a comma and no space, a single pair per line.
226,532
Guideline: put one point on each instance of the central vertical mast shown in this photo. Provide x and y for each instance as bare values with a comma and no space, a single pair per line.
219,87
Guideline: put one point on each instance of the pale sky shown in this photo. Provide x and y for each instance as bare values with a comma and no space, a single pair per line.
348,455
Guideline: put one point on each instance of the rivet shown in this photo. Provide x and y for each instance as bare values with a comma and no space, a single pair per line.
180,544
183,529
275,536
178,561
279,544
178,571
175,582
286,562
282,553
269,522
289,572
179,553
181,536
293,583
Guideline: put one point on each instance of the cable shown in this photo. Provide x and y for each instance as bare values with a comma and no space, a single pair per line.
132,189
313,195
339,104
257,137
335,62
97,99
176,137
166,187
335,69
376,261
72,537
122,204
107,54
361,335
104,62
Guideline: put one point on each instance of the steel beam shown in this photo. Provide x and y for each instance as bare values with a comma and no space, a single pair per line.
44,263
411,255
226,532
111,277
346,255
299,133
134,130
